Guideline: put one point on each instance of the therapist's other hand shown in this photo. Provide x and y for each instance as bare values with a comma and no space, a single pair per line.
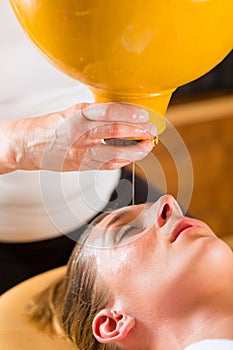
73,139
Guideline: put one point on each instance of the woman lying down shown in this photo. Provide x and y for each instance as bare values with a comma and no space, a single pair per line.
144,277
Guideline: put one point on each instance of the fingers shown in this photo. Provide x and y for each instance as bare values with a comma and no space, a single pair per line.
113,111
122,130
108,157
110,120
80,138
93,164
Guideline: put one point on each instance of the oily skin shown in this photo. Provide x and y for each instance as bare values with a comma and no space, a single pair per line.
165,279
72,139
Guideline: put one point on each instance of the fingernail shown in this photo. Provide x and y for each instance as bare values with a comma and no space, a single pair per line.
93,112
153,130
141,115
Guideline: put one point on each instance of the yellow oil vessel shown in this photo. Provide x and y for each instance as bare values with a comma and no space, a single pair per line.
130,51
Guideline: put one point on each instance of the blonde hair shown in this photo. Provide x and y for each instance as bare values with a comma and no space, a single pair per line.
70,304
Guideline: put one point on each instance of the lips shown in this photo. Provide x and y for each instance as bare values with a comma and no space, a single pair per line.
182,228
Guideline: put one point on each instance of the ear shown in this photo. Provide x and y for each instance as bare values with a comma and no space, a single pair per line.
110,326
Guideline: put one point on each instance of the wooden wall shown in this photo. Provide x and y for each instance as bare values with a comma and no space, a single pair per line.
206,128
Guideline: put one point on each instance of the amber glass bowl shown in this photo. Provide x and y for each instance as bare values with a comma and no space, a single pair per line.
130,51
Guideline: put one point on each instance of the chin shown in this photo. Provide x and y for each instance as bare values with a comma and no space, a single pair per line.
222,254
216,262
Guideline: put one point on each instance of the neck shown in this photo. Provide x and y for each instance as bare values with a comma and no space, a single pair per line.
210,326
202,324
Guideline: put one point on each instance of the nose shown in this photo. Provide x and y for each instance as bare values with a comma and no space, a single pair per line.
169,212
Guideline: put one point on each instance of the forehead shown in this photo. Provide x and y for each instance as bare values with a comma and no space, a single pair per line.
128,214
103,229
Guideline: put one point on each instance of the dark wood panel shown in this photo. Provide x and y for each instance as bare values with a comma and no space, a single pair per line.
210,145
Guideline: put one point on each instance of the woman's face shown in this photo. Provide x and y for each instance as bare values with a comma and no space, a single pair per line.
154,259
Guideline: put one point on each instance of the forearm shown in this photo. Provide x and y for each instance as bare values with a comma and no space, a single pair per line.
22,144
8,162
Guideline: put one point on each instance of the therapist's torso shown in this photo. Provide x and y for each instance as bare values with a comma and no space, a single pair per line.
38,205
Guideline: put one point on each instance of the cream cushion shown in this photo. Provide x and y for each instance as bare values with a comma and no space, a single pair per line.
16,331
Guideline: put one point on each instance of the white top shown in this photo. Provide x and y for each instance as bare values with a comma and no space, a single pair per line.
38,205
212,344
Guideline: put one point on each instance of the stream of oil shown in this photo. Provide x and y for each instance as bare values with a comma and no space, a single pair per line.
125,142
133,183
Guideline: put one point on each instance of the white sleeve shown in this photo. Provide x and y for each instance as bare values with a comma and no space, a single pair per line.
212,344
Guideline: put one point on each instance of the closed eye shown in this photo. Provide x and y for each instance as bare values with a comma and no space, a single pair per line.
127,232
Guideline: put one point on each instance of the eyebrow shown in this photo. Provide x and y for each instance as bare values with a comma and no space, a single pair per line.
116,218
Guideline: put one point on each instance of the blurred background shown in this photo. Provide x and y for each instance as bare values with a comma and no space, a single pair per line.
202,113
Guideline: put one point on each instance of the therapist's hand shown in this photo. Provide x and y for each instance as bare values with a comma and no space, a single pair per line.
73,139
